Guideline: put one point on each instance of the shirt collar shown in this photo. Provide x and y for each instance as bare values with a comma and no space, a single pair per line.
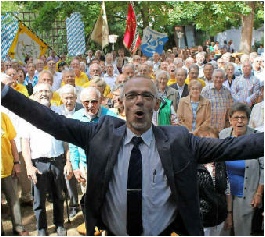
83,111
147,136
181,87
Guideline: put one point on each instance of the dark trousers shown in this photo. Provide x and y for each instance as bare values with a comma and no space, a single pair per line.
52,178
71,185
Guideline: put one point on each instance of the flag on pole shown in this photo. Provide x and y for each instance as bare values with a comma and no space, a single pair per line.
100,34
131,39
26,43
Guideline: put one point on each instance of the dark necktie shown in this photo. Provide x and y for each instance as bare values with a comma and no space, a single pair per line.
30,88
134,190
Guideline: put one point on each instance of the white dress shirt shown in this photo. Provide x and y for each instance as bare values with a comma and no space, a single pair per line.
41,143
158,208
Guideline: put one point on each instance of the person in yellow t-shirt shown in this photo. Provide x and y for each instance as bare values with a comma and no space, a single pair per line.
172,76
194,75
80,77
15,85
10,169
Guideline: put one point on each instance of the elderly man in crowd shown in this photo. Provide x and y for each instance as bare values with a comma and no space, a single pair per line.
68,78
91,112
193,74
45,76
109,77
94,70
68,108
200,57
80,77
181,86
187,63
39,66
57,76
257,70
221,100
128,70
207,73
171,69
44,158
246,88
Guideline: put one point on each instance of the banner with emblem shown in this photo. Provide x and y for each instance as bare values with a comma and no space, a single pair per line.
153,42
75,34
26,43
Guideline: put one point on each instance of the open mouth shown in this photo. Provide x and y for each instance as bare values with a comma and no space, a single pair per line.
139,114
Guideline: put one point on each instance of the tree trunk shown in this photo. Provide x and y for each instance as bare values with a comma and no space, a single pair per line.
247,30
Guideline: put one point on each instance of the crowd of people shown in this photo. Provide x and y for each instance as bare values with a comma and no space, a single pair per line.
211,91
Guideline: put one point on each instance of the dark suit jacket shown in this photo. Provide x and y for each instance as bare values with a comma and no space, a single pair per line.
179,150
185,90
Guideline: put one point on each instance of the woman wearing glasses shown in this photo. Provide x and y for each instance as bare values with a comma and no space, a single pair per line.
245,177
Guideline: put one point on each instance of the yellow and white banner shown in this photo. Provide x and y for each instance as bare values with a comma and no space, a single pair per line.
26,43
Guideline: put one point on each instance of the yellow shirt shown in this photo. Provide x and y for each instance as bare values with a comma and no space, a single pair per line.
106,93
187,81
171,81
56,99
81,80
8,133
22,89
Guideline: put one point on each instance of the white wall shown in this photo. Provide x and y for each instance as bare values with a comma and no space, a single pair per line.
235,35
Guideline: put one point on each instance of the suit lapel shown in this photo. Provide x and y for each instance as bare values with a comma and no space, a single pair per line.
114,148
163,147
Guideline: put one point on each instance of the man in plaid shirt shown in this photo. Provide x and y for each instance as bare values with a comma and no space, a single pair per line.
221,99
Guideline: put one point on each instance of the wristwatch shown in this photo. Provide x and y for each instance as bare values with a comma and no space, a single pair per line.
17,162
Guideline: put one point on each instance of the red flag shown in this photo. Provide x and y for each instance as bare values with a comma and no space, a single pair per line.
131,39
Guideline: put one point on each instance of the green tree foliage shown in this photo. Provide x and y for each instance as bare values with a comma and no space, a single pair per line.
208,16
214,17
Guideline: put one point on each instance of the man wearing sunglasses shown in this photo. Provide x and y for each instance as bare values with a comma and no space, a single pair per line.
92,110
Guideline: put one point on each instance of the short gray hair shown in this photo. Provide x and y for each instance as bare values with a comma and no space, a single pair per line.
161,72
219,70
88,90
67,89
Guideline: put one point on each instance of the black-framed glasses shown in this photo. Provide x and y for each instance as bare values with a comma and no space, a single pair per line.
132,96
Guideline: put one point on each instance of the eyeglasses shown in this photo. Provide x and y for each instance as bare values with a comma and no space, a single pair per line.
87,102
236,118
132,96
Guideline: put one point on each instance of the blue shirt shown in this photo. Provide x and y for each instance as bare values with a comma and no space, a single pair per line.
194,106
33,82
236,175
77,154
